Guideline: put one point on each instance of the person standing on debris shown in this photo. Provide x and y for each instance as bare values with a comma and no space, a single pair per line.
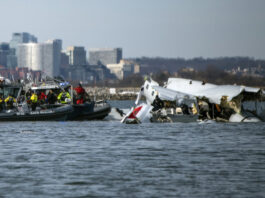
51,97
34,101
10,100
64,97
80,92
204,110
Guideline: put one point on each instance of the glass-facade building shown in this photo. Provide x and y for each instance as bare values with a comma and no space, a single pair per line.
4,51
24,37
18,38
45,57
105,56
77,55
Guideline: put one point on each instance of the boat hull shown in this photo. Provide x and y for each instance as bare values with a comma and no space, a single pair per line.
56,114
90,111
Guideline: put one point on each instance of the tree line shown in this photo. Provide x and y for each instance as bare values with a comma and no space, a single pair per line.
171,65
211,70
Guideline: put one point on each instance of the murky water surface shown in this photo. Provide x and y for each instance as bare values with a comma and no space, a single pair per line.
109,159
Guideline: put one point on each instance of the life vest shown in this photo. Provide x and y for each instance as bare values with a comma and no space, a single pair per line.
10,99
62,96
79,90
80,101
34,98
42,96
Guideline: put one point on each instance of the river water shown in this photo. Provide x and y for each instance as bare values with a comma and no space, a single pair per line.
110,159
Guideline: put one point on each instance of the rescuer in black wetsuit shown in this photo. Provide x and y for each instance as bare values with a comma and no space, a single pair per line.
185,109
157,104
51,97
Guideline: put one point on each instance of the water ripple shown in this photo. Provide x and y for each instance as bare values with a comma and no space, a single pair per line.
108,159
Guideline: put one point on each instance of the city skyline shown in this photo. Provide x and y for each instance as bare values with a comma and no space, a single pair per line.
144,28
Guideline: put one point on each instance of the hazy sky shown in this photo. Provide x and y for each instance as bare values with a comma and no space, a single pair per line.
166,28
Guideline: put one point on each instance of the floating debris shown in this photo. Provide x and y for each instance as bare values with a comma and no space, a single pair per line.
27,131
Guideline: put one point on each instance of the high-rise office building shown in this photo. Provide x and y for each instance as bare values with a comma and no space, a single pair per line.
105,56
4,51
18,38
54,70
77,55
24,37
45,57
64,60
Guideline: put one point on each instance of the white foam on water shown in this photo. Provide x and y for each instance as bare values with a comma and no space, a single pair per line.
114,115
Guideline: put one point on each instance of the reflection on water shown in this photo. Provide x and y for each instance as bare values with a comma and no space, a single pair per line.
108,159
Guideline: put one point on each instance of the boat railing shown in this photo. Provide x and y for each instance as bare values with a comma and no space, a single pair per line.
26,108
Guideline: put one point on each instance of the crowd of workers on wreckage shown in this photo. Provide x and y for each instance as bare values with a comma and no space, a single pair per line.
42,98
204,109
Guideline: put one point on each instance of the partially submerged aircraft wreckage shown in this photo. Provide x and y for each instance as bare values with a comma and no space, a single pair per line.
185,100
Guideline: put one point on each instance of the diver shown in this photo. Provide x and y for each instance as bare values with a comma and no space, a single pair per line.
157,104
64,97
185,109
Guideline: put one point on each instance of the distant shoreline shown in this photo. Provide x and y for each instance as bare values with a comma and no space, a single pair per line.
105,93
